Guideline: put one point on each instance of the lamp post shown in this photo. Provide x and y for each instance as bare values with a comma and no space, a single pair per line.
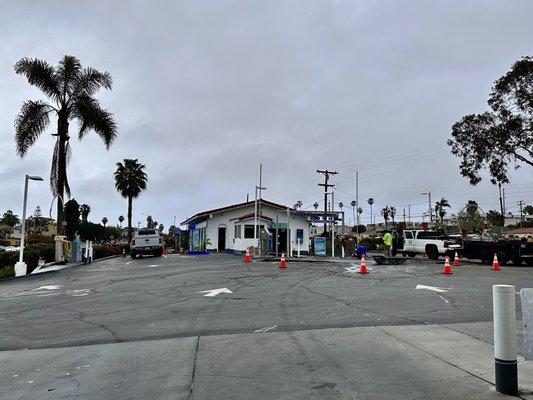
20,266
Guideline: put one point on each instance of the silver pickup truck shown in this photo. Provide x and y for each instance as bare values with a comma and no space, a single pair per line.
431,243
146,241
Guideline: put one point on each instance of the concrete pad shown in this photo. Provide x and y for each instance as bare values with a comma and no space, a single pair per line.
137,370
458,349
329,363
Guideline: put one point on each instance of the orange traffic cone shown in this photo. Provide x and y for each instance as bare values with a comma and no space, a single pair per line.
456,260
282,262
447,270
362,267
247,257
495,263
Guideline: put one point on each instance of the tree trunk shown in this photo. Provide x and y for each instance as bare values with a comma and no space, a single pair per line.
61,168
129,219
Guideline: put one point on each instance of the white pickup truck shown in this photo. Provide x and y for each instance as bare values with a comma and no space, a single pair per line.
146,241
431,243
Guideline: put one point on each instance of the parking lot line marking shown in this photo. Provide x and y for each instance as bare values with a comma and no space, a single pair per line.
214,292
432,288
49,287
266,329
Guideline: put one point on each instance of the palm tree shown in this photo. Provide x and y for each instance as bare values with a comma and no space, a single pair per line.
353,203
121,219
70,88
298,204
104,221
130,181
315,205
440,209
386,213
392,212
85,209
370,201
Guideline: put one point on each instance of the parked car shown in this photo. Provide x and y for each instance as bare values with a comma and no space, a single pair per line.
432,243
146,241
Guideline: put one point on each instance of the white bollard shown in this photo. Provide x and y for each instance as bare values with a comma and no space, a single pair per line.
503,305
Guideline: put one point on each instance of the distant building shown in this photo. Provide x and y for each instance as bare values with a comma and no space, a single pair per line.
231,228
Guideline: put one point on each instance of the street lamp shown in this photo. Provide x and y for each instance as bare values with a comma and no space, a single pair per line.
20,266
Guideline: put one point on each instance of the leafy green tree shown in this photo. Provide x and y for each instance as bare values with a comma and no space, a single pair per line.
85,209
10,219
130,181
72,218
161,228
528,209
500,138
70,89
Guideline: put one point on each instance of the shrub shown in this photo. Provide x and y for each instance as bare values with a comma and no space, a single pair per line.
106,251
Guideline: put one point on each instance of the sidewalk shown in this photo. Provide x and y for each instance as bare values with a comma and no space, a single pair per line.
396,362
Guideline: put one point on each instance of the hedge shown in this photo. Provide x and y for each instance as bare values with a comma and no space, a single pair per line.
101,251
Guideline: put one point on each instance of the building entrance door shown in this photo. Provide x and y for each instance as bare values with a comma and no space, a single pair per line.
282,241
221,239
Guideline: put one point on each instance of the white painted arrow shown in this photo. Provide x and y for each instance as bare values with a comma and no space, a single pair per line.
432,288
214,292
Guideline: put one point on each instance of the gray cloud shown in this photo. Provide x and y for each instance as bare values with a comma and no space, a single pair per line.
205,91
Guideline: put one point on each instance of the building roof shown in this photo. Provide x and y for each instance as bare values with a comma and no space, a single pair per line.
205,214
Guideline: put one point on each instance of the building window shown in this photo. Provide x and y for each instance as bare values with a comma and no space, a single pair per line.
238,231
248,231
299,236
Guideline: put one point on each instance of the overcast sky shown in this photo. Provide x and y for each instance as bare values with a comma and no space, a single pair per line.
205,91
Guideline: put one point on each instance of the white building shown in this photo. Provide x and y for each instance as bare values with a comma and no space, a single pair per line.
231,228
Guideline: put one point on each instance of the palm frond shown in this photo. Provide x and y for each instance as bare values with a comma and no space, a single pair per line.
32,120
93,117
40,74
54,176
91,80
67,74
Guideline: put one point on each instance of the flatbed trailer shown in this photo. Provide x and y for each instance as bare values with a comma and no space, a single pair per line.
514,251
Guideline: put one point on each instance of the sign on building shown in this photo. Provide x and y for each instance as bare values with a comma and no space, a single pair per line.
320,245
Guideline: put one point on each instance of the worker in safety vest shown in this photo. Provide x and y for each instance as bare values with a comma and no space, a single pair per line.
387,243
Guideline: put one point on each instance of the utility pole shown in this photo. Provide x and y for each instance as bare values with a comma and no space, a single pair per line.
409,213
257,209
430,208
404,217
326,185
501,204
357,201
521,214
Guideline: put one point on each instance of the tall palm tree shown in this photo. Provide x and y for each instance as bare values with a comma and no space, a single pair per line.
298,205
370,201
70,89
130,181
104,221
386,213
353,203
85,209
315,205
440,209
121,219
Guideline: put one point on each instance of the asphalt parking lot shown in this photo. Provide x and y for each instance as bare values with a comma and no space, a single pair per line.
155,328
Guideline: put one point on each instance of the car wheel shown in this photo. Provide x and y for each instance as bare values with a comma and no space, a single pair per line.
516,260
411,254
529,261
133,254
432,252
